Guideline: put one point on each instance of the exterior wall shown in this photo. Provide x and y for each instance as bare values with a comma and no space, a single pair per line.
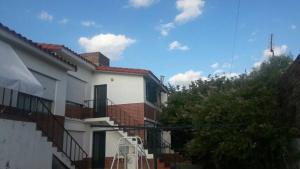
86,76
21,146
111,142
164,98
33,62
121,89
151,112
97,58
75,90
79,88
48,83
81,132
135,111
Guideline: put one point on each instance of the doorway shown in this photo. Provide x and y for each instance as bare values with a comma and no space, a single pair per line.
100,100
98,160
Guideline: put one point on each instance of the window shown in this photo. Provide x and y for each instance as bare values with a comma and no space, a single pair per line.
151,92
31,103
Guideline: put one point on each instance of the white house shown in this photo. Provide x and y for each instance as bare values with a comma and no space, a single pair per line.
85,96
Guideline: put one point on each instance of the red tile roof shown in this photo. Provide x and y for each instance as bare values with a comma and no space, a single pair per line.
57,47
123,70
21,37
51,47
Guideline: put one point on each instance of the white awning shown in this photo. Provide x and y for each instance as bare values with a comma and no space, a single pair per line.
14,74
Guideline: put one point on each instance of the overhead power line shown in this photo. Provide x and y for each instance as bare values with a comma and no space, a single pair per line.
237,19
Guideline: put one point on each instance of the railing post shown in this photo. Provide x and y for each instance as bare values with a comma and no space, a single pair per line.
53,125
71,149
3,96
75,152
11,95
66,143
47,124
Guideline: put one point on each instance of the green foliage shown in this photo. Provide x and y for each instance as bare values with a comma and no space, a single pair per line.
237,121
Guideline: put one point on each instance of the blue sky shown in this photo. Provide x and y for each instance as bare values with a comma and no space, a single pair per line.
181,39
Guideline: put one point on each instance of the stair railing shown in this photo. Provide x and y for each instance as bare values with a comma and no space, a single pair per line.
35,109
120,116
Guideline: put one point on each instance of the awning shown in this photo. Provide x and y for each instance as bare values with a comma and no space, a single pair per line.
14,74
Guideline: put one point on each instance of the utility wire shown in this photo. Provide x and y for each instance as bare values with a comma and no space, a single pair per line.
237,19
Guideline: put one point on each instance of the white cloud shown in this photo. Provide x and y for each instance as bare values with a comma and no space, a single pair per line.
166,28
229,75
140,3
257,64
90,23
184,79
222,73
45,16
278,51
175,45
293,27
109,44
252,37
189,10
215,65
226,65
64,21
218,71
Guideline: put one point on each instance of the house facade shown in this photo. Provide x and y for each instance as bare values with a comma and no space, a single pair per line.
84,100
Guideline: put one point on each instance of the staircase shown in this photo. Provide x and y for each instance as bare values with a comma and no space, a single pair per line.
120,117
167,157
34,109
117,116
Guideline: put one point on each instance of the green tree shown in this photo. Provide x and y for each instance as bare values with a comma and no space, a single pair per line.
237,121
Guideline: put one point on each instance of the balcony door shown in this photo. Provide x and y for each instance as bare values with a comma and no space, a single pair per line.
100,100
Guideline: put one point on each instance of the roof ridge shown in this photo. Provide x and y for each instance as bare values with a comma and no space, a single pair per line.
65,47
35,44
124,68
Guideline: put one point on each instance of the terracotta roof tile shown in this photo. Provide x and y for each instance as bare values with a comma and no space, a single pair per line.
51,47
123,70
57,47
21,37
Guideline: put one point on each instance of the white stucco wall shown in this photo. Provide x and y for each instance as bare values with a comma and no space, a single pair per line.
80,132
22,146
85,76
121,89
111,141
35,63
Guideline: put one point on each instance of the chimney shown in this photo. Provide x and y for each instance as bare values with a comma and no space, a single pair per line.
97,58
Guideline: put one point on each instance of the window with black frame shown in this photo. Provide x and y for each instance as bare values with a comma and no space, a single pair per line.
151,92
31,103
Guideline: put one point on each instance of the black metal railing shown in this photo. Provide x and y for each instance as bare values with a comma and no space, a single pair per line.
37,109
120,116
156,143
